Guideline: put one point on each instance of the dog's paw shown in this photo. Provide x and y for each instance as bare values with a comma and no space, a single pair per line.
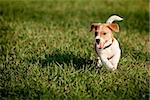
99,64
113,69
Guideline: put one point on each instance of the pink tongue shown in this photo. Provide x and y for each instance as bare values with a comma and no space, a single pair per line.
100,46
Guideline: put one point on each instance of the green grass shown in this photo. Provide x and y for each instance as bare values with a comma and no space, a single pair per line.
47,52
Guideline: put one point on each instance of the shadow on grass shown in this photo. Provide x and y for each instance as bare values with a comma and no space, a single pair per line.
64,58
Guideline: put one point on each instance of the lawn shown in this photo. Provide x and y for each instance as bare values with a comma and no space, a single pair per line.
47,51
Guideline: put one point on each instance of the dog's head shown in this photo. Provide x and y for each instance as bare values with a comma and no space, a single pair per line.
103,33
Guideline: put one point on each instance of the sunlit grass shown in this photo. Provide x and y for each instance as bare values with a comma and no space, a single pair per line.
47,50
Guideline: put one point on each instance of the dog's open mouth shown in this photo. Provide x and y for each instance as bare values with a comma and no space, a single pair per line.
100,46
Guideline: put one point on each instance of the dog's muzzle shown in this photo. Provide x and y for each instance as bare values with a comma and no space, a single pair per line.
99,42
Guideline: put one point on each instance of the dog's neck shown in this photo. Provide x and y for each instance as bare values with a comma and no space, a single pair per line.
109,44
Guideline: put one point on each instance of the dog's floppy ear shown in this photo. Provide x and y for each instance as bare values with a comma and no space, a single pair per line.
114,27
92,27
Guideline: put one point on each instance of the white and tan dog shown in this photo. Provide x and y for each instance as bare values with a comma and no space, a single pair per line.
106,46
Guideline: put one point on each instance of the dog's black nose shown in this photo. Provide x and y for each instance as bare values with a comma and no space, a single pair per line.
97,41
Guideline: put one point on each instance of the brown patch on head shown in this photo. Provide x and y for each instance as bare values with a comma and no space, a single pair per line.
94,27
105,32
114,27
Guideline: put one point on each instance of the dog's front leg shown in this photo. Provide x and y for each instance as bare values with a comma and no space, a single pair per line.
99,63
115,59
106,62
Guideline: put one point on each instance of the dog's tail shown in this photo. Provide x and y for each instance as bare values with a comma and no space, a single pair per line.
114,18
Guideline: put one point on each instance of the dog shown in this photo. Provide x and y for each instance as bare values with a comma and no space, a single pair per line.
106,45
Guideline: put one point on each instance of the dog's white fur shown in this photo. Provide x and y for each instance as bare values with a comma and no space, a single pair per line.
112,51
110,54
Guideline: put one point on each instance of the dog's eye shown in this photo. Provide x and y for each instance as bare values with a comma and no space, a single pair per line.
105,33
96,33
